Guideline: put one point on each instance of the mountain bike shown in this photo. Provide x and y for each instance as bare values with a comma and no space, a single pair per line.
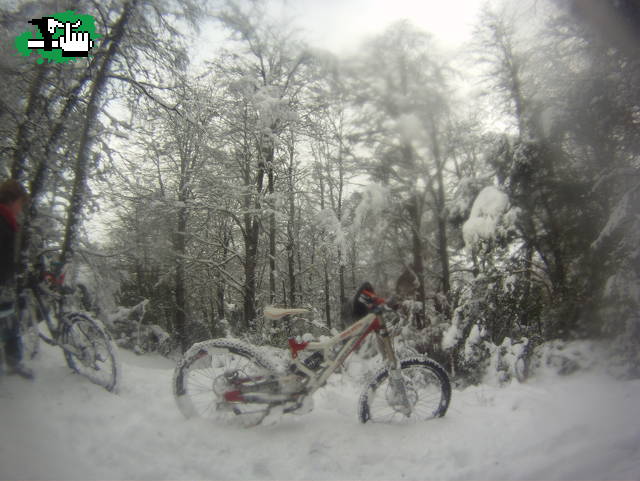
87,346
230,380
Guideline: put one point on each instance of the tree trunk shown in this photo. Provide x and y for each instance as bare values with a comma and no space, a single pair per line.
342,287
327,295
250,266
441,213
291,263
415,209
340,323
268,153
38,181
86,140
290,231
23,134
220,281
272,243
39,176
180,244
417,249
252,237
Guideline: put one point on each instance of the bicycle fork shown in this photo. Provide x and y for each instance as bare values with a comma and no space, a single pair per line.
397,398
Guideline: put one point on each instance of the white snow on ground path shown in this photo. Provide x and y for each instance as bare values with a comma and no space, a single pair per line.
585,426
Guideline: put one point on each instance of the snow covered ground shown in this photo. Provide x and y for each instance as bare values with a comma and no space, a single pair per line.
585,426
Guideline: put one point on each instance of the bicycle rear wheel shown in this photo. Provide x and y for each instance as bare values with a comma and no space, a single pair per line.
89,350
427,387
201,380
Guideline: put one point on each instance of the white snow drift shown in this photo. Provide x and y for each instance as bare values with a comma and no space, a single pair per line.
62,427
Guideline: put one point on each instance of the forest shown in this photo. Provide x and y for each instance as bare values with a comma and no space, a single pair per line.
186,185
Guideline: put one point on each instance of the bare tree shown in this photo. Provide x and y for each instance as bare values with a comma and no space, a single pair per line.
406,84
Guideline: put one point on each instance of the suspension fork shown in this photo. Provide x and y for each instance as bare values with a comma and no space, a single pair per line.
385,346
399,399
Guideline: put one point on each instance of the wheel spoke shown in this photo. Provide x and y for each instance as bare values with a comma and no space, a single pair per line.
91,353
427,389
199,388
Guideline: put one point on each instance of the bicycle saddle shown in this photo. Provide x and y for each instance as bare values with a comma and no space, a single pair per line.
275,313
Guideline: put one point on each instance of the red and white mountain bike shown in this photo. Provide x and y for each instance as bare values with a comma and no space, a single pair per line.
228,379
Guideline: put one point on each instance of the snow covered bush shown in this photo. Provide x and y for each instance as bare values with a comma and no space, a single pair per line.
481,361
490,217
276,333
127,328
502,366
493,308
475,354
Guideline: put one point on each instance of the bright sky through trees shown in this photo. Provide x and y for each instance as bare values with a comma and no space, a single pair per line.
339,25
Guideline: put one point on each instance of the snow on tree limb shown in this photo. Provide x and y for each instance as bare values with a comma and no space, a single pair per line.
487,211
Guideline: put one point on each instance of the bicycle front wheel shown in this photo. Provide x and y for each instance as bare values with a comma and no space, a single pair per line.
428,392
202,377
89,350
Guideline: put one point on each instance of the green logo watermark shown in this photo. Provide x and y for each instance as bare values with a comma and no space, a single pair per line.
59,38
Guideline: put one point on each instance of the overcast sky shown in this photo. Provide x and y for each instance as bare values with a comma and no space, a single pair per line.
339,25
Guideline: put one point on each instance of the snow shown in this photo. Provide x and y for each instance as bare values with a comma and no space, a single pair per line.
475,336
487,210
583,426
451,335
328,220
375,199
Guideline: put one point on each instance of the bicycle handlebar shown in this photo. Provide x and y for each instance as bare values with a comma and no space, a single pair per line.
376,303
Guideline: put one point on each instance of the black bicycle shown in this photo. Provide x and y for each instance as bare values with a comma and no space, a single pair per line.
87,346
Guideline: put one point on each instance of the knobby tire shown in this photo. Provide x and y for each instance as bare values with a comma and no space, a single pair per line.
428,389
199,375
89,350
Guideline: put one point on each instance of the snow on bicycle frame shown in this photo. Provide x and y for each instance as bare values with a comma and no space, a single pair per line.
232,377
333,352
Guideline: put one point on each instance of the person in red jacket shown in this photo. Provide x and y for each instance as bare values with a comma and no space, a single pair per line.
13,198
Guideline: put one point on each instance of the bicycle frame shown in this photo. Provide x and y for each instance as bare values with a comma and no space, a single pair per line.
46,301
352,337
232,379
